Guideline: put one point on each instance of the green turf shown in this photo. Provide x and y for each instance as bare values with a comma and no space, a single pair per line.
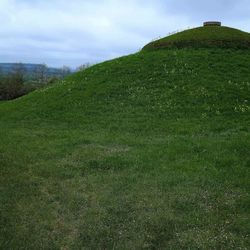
203,37
145,151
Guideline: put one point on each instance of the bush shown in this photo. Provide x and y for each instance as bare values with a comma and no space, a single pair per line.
12,87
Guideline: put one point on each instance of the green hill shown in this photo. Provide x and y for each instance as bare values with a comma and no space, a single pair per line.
204,37
146,151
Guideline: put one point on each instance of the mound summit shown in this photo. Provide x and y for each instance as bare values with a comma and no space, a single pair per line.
211,35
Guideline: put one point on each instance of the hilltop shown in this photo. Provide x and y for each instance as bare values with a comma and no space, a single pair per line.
204,37
149,150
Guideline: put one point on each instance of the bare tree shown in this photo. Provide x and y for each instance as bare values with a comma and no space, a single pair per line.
83,67
41,73
18,72
65,70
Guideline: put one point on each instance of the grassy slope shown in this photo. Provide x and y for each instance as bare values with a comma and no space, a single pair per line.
204,37
146,151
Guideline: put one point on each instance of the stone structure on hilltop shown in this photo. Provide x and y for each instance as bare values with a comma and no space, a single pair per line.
212,23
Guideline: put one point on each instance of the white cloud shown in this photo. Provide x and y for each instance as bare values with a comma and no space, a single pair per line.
73,32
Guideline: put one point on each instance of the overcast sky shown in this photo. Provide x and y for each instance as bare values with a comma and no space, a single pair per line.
73,32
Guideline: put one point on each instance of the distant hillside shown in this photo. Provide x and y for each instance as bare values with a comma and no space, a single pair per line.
6,68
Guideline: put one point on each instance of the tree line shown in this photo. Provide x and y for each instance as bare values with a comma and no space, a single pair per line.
19,81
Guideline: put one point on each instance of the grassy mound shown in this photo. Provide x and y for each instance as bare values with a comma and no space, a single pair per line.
204,37
145,151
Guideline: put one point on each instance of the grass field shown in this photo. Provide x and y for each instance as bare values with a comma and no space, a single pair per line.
148,151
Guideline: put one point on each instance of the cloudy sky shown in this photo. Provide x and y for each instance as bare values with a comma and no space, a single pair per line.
73,32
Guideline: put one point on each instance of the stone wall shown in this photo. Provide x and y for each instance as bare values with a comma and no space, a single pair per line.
213,23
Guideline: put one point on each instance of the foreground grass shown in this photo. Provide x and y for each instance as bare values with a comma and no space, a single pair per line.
147,151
